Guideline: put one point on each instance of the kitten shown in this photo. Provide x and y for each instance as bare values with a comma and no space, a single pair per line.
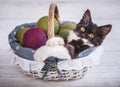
87,34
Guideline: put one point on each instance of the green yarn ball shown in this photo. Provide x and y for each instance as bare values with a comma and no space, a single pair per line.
20,34
43,24
66,28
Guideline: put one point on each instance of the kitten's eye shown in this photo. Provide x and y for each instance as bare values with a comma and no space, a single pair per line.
82,29
91,35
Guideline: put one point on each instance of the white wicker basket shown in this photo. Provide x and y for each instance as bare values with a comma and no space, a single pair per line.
70,69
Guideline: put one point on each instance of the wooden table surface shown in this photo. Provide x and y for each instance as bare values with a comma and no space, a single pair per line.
15,12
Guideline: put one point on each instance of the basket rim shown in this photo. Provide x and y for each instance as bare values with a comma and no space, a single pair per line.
86,61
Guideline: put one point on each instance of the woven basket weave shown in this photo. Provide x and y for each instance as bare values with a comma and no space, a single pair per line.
70,69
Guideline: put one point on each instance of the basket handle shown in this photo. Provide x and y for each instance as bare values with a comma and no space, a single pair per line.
53,13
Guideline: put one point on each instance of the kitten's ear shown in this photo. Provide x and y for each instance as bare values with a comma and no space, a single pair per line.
105,29
86,17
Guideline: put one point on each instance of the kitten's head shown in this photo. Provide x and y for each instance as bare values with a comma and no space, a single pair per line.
86,29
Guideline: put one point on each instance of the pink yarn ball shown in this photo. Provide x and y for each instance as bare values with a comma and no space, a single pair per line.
34,38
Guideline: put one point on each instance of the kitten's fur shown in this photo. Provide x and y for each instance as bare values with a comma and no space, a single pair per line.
90,35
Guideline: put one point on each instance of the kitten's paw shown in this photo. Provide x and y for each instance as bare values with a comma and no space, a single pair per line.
55,41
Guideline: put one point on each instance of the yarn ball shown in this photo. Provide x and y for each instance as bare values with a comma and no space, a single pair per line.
34,38
43,24
66,28
20,33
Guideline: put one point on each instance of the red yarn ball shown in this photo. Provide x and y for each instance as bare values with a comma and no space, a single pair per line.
34,38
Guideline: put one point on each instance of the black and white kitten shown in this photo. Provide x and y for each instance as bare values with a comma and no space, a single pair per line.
87,34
